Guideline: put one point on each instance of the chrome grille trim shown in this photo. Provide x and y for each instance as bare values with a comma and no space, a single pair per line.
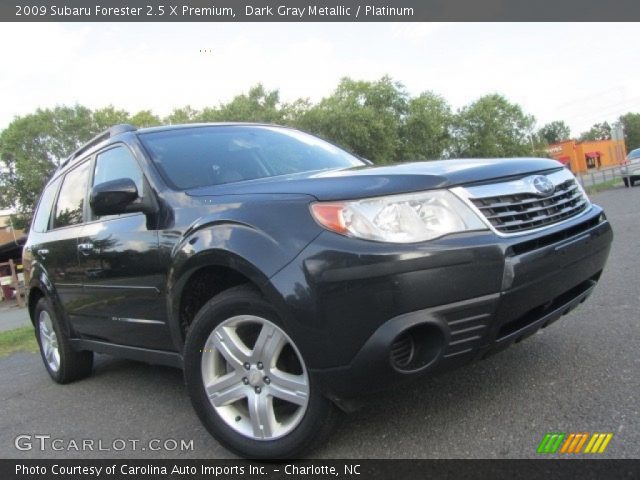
515,207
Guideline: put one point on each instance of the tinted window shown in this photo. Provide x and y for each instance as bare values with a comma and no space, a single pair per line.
199,156
71,199
41,220
117,163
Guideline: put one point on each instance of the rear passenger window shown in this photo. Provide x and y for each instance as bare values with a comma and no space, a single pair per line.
43,215
70,203
117,163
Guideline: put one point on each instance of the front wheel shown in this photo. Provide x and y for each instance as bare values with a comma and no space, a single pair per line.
248,381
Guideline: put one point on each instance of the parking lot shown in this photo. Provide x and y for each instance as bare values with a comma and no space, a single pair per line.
582,374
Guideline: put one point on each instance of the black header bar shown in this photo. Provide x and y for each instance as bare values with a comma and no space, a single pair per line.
318,10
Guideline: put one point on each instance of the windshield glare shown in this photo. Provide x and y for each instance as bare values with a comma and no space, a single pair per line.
213,155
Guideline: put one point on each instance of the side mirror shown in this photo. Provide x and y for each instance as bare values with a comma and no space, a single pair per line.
114,197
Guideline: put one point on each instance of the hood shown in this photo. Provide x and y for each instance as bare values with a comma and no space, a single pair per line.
373,181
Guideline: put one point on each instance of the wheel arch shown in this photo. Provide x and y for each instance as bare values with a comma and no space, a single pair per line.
245,252
35,294
41,287
207,274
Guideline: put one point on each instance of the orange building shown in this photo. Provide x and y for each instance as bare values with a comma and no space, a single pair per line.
584,156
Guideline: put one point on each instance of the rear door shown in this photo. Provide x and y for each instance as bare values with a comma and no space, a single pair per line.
123,300
59,249
36,252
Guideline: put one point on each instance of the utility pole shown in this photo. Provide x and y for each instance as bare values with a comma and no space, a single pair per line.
617,134
13,231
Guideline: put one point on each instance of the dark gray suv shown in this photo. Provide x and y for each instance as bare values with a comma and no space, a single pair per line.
288,277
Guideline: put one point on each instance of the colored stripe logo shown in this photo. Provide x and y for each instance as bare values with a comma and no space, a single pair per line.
573,443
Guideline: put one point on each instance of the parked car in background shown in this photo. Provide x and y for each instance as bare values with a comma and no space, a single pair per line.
287,277
631,168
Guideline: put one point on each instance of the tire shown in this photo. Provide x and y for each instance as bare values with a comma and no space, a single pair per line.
62,362
227,340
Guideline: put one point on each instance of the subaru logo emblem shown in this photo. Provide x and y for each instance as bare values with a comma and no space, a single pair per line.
543,185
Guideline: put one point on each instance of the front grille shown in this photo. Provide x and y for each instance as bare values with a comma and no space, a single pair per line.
520,212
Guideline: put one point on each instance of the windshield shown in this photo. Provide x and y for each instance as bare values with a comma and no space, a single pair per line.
212,155
634,154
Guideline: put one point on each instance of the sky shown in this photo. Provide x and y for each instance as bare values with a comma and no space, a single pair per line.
577,72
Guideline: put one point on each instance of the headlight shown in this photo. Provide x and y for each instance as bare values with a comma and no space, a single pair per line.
407,218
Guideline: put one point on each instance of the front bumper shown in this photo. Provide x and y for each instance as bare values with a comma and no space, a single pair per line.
366,315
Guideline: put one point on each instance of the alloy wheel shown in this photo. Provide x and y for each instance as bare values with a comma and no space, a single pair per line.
254,377
49,341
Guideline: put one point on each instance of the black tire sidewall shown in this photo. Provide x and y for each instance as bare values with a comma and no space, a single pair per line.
73,365
245,302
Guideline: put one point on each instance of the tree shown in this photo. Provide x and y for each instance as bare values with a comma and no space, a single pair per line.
425,131
106,117
361,116
554,132
182,115
258,105
145,118
32,147
294,112
600,131
631,125
492,127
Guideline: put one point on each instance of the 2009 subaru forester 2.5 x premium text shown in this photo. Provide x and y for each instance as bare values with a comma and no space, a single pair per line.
286,276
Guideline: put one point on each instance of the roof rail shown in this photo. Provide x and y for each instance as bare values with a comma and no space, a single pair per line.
101,137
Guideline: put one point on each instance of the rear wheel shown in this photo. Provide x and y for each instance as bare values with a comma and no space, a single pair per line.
63,364
248,381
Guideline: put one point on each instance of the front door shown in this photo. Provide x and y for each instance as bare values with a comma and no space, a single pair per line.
123,296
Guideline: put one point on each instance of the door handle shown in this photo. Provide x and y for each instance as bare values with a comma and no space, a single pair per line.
43,251
85,248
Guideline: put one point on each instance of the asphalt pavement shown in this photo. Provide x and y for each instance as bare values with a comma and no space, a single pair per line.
582,374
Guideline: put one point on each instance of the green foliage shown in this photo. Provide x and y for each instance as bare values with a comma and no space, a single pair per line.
182,115
294,111
363,117
425,131
145,118
554,132
492,127
104,118
631,125
600,131
18,340
19,222
31,148
258,105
